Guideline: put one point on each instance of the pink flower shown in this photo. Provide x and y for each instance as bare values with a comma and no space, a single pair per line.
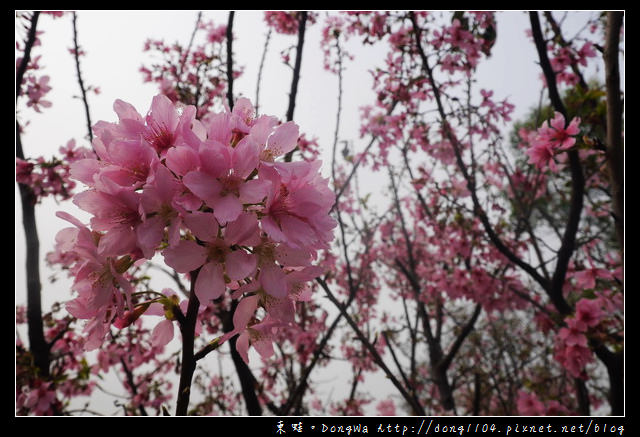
575,359
103,292
221,180
36,90
586,279
297,205
214,256
557,135
529,404
386,408
208,196
159,208
38,400
283,140
589,312
260,335
573,336
551,139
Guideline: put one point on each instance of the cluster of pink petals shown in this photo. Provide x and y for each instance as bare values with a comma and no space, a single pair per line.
285,22
51,177
572,345
37,400
563,58
551,139
37,88
184,75
529,405
211,197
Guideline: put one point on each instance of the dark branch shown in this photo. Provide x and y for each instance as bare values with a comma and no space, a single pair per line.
37,342
230,60
478,210
76,53
188,365
577,178
302,22
417,408
31,39
615,147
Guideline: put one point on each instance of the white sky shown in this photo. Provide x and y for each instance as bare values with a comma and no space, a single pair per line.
113,42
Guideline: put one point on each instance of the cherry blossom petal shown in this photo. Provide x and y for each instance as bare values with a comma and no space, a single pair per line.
182,159
210,282
242,346
273,280
227,208
118,240
185,257
203,185
254,191
162,334
149,235
240,264
244,312
272,229
283,139
243,231
202,224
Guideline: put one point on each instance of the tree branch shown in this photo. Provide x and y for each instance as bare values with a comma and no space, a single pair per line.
302,22
417,408
37,342
577,178
230,100
31,39
615,147
259,79
187,328
76,53
478,210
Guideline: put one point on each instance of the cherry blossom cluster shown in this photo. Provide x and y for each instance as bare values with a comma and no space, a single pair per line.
194,75
70,371
34,86
51,177
135,354
572,346
208,196
286,22
552,138
465,41
529,405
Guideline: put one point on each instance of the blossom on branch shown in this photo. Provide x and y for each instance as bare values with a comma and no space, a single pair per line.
553,138
211,196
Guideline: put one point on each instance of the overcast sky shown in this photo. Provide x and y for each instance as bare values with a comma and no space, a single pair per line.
113,42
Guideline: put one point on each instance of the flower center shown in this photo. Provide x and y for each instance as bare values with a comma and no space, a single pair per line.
159,137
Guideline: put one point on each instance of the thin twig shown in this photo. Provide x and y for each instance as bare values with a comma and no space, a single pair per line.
76,54
259,79
417,408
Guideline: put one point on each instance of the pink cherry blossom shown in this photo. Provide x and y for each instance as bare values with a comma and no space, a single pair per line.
297,205
551,139
557,134
541,155
529,404
589,312
103,292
